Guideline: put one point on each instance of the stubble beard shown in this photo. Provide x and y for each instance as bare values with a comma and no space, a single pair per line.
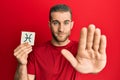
57,38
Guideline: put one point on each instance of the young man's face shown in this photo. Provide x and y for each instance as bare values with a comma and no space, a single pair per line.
61,25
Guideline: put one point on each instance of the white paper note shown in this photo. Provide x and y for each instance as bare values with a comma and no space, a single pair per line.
27,37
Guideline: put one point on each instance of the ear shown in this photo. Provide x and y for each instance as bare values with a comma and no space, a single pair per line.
72,23
49,23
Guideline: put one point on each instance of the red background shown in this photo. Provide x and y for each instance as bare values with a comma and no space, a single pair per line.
32,15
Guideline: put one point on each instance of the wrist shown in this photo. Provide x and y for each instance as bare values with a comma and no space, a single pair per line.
22,65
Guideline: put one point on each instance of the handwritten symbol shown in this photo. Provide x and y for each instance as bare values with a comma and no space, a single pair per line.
28,37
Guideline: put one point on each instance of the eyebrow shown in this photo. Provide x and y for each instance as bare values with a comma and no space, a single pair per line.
54,20
59,21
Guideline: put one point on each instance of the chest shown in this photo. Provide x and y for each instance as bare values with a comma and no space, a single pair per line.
50,63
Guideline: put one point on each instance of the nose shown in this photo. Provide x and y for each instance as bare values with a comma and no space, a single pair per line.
61,28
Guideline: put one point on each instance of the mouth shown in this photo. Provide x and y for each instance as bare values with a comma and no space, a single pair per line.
61,34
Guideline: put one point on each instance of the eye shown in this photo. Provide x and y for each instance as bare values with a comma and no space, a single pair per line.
55,22
66,22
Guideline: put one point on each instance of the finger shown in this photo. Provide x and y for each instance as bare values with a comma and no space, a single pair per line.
22,58
96,40
29,50
82,42
18,47
23,52
69,57
90,36
103,43
26,52
21,47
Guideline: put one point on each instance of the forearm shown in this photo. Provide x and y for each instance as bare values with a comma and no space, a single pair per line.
21,73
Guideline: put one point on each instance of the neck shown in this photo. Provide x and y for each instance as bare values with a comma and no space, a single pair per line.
57,43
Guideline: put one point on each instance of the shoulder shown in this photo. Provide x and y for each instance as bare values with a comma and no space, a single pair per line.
73,46
74,43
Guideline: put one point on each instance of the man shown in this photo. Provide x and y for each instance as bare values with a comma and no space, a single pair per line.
61,58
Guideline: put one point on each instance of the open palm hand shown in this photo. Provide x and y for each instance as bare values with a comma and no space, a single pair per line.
91,55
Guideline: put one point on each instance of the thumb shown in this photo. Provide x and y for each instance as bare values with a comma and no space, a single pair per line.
68,55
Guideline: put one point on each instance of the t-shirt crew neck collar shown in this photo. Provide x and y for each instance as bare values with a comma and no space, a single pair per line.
60,46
